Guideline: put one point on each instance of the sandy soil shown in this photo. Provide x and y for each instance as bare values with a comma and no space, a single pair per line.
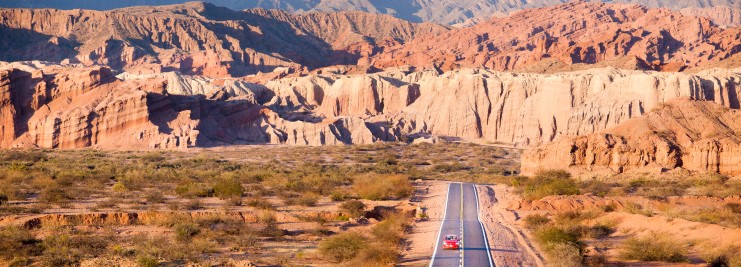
420,243
509,245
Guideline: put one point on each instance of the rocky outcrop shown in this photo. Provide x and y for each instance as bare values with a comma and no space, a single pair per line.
199,38
74,107
448,12
722,15
694,135
523,109
560,37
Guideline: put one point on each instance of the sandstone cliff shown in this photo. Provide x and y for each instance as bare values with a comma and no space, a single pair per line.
695,135
63,107
601,119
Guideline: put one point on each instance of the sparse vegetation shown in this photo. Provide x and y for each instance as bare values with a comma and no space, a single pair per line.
382,187
654,247
353,208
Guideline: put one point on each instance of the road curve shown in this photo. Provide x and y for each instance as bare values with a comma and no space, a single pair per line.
461,218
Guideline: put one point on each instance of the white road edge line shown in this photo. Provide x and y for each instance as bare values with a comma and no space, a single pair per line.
442,222
483,229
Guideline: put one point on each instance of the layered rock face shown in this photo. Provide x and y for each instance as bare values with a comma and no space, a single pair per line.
199,38
203,39
63,107
564,36
523,109
722,15
695,135
448,12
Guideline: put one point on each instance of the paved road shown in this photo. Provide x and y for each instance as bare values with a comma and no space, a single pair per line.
462,219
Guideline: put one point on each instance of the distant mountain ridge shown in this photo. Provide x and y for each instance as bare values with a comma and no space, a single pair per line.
447,12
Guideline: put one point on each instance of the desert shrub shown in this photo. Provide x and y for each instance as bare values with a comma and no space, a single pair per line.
654,247
185,231
553,234
726,216
3,199
155,196
339,195
445,167
54,194
564,254
190,189
535,221
377,254
23,155
733,207
598,188
308,199
382,186
17,242
64,249
722,256
600,231
271,228
353,208
228,187
548,183
193,204
147,261
391,229
152,157
342,247
259,202
635,208
387,159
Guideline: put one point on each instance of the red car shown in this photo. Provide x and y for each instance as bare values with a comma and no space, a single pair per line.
451,242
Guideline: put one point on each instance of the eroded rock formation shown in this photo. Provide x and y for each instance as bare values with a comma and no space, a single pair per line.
199,38
563,37
695,135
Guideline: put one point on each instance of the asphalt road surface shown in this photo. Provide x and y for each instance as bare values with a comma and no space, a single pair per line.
462,219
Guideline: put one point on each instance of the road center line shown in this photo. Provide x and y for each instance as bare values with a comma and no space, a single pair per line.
442,222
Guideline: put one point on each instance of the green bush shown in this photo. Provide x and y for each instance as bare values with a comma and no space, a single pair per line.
342,247
353,208
654,247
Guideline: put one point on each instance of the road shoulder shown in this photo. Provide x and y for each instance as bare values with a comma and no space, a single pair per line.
420,242
508,243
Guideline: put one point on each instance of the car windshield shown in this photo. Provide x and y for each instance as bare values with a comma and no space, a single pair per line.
451,237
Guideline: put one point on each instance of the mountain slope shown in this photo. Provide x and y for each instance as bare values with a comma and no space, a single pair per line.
198,38
565,36
446,12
